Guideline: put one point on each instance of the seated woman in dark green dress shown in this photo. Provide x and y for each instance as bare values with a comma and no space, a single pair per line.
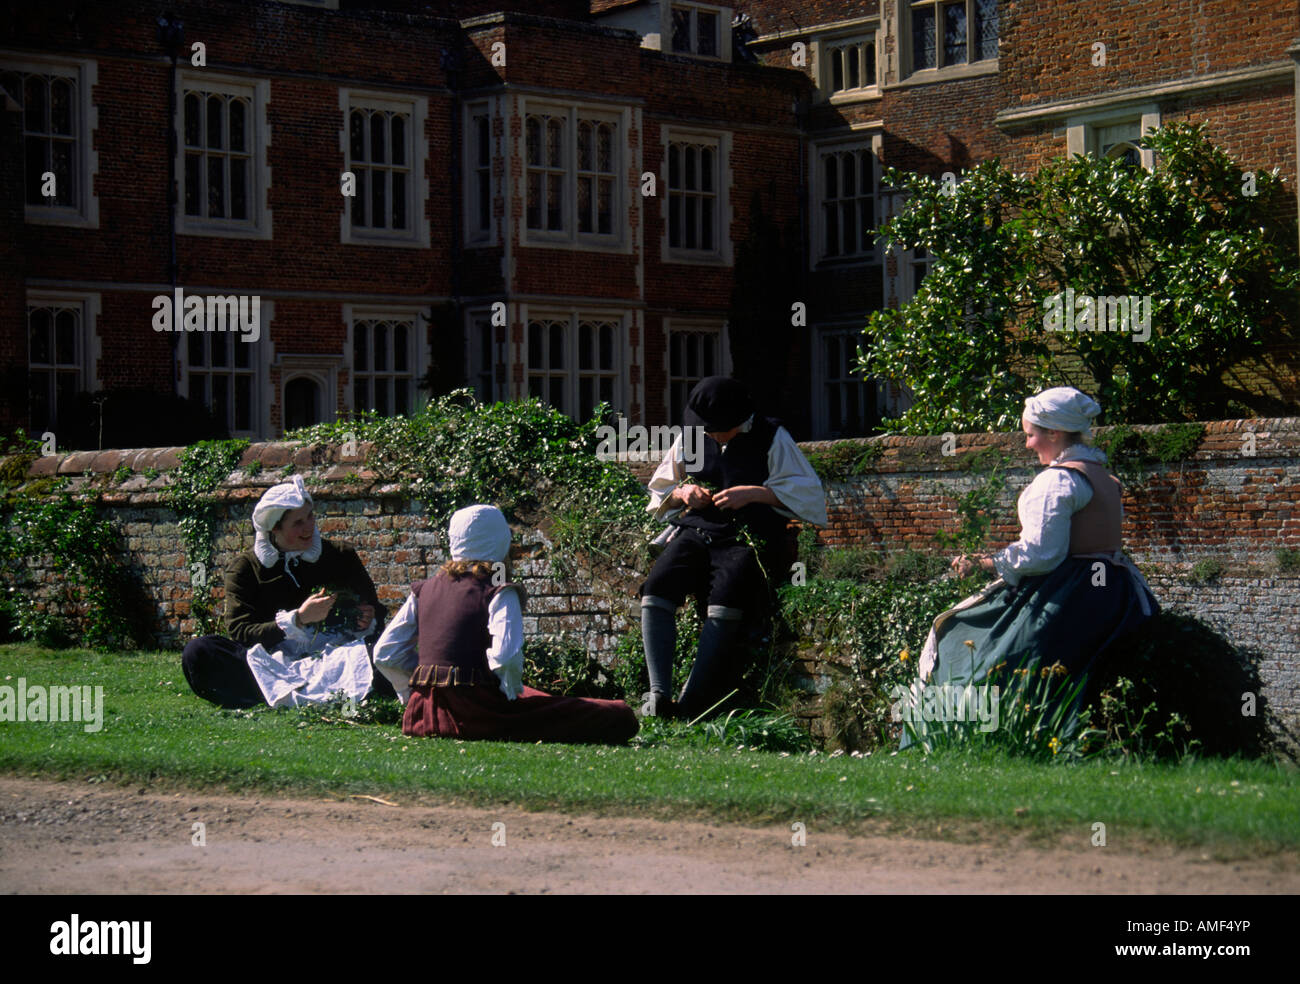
298,609
1065,590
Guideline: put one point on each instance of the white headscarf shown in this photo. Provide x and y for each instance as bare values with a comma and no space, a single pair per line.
270,509
479,533
1062,408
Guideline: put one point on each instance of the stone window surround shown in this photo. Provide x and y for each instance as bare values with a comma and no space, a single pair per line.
871,138
352,313
1080,131
822,68
474,235
88,343
723,253
86,72
907,76
417,234
263,356
821,376
258,224
572,316
724,15
713,326
620,238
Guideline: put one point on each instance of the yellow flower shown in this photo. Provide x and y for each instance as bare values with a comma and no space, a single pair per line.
971,643
904,655
1054,745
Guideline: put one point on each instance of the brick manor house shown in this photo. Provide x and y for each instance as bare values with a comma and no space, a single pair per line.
580,201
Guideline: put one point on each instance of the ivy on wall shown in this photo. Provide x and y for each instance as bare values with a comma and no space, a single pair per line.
202,468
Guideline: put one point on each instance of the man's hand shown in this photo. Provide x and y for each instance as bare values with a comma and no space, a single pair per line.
739,496
694,496
315,608
365,616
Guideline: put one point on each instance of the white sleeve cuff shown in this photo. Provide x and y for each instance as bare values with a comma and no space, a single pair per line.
292,630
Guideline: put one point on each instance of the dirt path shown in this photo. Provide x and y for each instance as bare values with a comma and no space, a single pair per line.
72,837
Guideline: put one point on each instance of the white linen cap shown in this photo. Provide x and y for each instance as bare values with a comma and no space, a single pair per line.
1062,408
278,500
479,533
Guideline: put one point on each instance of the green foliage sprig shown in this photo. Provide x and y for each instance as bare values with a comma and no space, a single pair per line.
1131,452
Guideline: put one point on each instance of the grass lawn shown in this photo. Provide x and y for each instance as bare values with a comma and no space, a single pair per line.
155,730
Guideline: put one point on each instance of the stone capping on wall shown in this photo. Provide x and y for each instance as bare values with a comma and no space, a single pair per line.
1274,437
326,465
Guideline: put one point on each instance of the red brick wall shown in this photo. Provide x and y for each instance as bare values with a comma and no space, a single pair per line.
1046,49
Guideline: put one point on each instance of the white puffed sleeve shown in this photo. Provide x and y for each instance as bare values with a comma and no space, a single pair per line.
1045,508
666,478
791,477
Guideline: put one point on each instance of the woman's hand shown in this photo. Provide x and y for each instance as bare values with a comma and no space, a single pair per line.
315,608
739,496
694,496
365,616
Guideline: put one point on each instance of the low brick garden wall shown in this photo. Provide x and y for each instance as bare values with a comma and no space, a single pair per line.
1233,502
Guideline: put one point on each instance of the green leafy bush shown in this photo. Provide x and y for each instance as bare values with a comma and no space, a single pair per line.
1219,265
877,628
565,668
91,586
844,459
1206,570
525,457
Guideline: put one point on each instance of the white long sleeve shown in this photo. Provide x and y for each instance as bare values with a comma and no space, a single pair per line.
505,656
1045,508
397,652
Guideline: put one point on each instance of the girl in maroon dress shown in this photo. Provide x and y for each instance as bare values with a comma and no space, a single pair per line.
454,653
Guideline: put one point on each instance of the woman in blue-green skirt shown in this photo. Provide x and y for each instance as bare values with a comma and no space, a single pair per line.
1065,590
